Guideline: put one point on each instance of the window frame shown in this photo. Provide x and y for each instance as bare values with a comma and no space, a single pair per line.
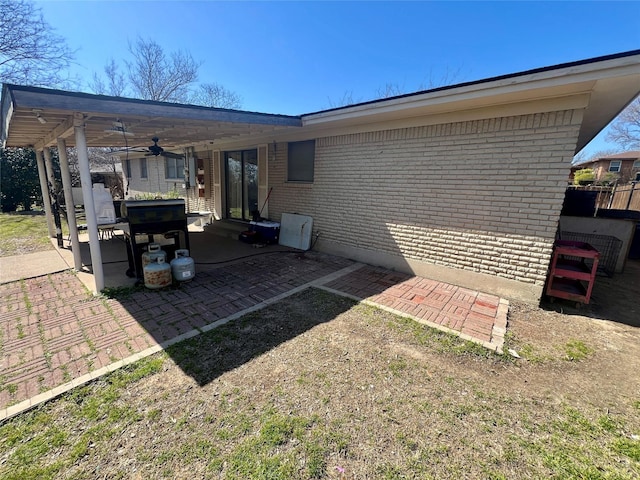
619,162
144,172
175,162
299,152
635,165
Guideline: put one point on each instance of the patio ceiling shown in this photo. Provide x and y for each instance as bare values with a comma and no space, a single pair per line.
37,117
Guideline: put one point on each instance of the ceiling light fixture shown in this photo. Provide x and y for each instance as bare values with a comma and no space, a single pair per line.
119,128
38,114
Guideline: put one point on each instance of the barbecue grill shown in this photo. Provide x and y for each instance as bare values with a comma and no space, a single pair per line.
159,221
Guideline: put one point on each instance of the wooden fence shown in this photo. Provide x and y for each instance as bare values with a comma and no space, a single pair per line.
619,197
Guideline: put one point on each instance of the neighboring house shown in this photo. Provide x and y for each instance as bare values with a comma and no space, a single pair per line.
625,167
163,176
464,184
111,176
148,175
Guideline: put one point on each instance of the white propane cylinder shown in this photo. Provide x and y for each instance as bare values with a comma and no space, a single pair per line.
183,267
157,274
103,204
152,254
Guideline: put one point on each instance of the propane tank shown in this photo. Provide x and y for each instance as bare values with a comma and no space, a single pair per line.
157,274
152,254
183,267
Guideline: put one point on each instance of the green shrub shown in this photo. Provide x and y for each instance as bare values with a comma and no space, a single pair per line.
584,176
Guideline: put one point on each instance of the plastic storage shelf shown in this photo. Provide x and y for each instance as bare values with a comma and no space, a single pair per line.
570,277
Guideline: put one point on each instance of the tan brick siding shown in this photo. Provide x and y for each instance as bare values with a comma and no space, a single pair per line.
483,196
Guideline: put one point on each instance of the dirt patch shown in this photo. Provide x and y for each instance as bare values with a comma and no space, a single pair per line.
357,393
550,340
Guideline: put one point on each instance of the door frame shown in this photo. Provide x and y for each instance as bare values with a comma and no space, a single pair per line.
244,208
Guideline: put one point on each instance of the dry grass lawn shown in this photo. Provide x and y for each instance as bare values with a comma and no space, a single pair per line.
354,393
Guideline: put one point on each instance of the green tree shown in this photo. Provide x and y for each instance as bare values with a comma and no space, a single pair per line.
19,182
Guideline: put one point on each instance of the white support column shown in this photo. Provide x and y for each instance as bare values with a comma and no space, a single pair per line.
55,208
46,201
87,195
68,201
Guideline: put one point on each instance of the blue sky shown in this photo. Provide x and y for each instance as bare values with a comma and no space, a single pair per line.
300,57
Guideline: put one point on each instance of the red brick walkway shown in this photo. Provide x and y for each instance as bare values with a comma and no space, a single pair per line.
55,334
476,316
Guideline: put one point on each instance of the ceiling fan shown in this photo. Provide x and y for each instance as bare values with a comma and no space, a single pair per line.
157,150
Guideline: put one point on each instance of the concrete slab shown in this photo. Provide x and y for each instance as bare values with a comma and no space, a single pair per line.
30,265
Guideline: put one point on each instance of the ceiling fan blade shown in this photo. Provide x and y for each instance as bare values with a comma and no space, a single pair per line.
164,154
171,155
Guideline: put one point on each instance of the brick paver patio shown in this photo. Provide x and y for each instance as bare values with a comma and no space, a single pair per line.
56,335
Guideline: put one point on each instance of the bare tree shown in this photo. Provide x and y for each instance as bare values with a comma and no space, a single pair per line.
390,90
344,101
394,89
114,84
216,95
582,156
449,77
30,52
156,76
579,157
625,130
151,74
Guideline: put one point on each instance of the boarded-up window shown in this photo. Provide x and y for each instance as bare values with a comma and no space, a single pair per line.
301,161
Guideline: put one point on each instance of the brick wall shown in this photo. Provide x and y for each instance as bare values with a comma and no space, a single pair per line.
626,174
483,196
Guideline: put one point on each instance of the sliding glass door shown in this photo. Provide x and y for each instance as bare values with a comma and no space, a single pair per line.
241,184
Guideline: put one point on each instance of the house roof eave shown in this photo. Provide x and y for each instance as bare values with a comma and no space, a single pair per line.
610,83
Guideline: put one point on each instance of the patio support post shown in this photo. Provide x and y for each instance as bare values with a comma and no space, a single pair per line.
89,209
68,201
44,189
53,194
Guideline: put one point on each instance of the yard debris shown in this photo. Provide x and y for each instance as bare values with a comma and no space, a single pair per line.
513,353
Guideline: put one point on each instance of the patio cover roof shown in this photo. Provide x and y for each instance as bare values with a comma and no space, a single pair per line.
38,116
